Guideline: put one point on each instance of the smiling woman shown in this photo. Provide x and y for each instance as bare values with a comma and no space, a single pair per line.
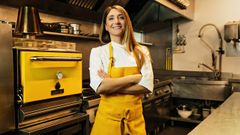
121,72
115,24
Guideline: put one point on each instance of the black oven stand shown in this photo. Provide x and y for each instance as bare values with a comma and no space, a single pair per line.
73,124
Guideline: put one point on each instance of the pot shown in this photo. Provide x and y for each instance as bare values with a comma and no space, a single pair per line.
75,28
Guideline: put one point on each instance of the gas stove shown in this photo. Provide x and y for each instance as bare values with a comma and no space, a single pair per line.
156,106
161,89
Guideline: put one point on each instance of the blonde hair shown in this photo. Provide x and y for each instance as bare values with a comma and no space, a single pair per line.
128,37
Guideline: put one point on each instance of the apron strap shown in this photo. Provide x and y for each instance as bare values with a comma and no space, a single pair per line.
110,59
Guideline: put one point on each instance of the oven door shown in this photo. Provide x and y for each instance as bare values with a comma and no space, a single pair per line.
46,75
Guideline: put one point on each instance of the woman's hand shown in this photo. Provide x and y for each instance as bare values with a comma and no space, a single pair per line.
103,74
122,85
134,79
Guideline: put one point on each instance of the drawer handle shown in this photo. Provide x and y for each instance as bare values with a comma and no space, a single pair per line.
53,58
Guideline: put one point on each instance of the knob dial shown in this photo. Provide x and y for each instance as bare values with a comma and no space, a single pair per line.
59,75
158,92
147,95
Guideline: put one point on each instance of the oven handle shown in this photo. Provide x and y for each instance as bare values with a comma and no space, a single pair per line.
54,58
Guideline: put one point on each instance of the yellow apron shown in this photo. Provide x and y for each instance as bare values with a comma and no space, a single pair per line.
119,114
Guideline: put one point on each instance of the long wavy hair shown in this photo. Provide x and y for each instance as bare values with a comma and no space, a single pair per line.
128,37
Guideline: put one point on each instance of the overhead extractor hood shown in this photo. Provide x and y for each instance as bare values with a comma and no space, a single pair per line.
145,14
151,15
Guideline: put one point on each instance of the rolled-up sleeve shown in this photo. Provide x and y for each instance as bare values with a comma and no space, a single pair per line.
147,71
95,64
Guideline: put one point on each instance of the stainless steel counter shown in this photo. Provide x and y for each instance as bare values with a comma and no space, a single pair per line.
198,88
225,120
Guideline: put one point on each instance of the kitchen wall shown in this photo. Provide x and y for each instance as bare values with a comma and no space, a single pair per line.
161,39
218,12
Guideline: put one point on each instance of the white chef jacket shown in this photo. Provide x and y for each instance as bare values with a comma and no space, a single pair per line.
99,59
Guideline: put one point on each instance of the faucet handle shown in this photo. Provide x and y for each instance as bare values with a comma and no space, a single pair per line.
217,75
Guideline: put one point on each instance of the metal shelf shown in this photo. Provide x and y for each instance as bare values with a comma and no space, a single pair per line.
70,35
192,119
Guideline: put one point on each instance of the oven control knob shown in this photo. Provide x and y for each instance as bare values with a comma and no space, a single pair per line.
59,75
158,92
147,95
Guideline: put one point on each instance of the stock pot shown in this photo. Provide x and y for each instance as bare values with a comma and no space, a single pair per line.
75,28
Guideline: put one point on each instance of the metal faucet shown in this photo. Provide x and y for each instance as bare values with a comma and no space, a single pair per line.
206,66
217,73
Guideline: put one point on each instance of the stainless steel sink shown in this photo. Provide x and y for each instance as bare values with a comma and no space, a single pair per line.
201,88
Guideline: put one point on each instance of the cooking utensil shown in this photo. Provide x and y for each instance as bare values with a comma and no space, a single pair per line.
75,27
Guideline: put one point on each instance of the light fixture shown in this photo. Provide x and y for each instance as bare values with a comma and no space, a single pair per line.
28,22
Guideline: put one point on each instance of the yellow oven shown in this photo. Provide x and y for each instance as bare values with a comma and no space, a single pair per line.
47,75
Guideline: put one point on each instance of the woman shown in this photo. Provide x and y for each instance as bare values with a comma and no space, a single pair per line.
121,72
